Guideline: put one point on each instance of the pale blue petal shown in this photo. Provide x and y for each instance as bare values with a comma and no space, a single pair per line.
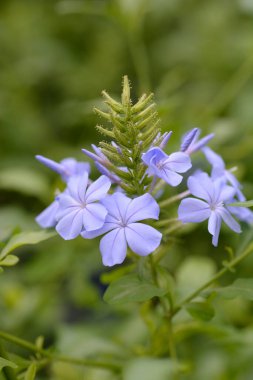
117,205
143,207
178,162
201,143
77,187
155,154
229,220
108,226
193,210
227,193
47,218
70,226
242,213
213,158
94,216
98,189
113,247
214,225
169,176
201,186
142,239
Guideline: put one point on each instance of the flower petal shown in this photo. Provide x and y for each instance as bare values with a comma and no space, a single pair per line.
113,247
117,205
47,218
189,138
58,168
70,226
94,216
155,154
108,226
142,239
178,162
143,207
229,220
77,187
201,186
214,225
213,158
98,189
169,176
193,210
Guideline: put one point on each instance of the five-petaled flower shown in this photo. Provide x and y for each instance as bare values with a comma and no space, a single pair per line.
167,166
122,228
78,208
214,195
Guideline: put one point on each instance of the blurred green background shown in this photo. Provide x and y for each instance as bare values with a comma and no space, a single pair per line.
55,59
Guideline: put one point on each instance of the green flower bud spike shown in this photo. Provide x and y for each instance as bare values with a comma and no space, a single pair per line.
132,129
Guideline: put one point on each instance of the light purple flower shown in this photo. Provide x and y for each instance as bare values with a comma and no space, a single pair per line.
47,218
166,166
214,194
190,142
122,229
66,168
78,209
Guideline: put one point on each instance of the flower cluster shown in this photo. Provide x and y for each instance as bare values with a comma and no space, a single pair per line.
121,203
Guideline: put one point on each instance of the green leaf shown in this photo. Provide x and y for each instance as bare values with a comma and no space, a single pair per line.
131,289
31,372
242,204
200,310
242,287
9,261
25,238
6,363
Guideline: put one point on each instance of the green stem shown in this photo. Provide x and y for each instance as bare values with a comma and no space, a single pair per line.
206,285
7,371
167,314
176,198
57,357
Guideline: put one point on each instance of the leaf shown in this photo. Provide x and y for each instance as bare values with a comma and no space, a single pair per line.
242,204
200,310
6,363
242,287
25,238
9,261
131,289
149,369
31,372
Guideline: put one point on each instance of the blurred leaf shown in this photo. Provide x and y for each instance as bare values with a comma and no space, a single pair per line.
6,363
131,289
25,238
25,181
149,369
9,261
242,287
31,372
200,310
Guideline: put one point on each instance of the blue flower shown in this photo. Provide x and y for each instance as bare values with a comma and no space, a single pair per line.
219,171
47,218
66,168
78,209
190,142
122,229
166,166
214,195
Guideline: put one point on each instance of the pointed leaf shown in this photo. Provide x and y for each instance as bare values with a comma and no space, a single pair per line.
200,310
25,238
242,287
9,261
131,289
31,372
6,363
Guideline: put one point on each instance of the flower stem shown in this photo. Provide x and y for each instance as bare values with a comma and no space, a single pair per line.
58,357
176,198
219,274
7,371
